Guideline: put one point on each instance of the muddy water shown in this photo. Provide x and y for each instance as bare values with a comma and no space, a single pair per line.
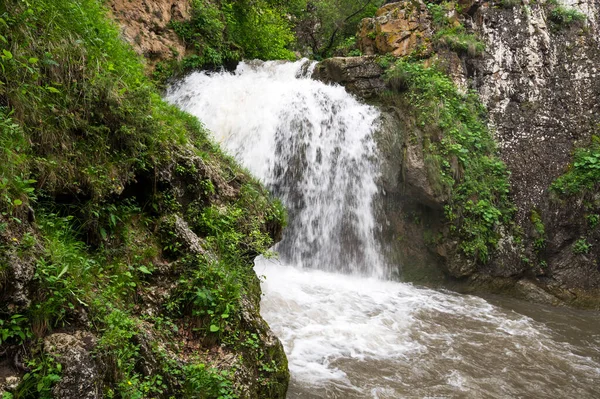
349,337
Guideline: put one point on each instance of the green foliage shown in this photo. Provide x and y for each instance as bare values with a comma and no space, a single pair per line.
565,16
322,26
204,382
83,132
15,329
225,32
79,98
509,3
584,174
593,220
16,185
458,40
348,48
44,372
452,35
540,230
461,155
581,246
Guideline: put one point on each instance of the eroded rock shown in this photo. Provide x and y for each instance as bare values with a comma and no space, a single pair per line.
80,377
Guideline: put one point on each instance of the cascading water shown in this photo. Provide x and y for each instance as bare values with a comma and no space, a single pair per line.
311,145
357,336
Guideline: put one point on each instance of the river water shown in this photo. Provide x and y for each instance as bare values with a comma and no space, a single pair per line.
348,331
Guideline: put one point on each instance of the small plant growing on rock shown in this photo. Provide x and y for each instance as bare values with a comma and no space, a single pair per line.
581,246
564,16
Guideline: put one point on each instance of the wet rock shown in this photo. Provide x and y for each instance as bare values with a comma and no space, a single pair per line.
360,75
80,378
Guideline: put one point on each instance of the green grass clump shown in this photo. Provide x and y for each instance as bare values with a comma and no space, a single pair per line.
565,16
461,155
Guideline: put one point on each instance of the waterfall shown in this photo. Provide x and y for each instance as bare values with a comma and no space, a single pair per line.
311,144
353,334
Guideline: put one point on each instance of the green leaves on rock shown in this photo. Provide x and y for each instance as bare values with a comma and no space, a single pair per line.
461,151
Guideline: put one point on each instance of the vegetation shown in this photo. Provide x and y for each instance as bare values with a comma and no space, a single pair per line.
222,33
460,153
564,16
322,26
91,171
584,174
451,34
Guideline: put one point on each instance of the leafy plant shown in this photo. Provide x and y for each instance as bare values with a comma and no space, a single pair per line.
581,246
453,36
584,173
461,154
564,16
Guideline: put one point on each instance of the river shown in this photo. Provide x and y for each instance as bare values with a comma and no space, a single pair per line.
348,331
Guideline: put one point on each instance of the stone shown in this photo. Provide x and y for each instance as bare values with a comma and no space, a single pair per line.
360,75
80,377
400,29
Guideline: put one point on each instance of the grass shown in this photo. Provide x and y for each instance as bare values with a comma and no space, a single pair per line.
563,16
86,140
460,153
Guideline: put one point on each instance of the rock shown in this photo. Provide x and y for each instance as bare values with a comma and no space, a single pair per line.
360,75
80,378
188,240
145,25
530,291
401,29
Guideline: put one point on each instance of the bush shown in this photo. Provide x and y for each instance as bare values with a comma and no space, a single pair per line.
583,174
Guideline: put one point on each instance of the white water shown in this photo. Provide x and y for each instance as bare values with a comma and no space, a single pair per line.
355,336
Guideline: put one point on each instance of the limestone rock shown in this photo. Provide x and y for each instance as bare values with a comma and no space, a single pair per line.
400,28
80,377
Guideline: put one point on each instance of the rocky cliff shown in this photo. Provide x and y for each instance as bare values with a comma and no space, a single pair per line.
535,68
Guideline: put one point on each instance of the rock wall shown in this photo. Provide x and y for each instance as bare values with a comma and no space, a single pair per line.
540,82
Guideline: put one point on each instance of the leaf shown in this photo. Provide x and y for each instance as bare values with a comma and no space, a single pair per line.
103,234
52,89
144,270
33,60
7,54
214,328
18,202
63,271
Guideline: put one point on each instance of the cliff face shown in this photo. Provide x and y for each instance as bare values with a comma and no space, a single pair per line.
539,80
